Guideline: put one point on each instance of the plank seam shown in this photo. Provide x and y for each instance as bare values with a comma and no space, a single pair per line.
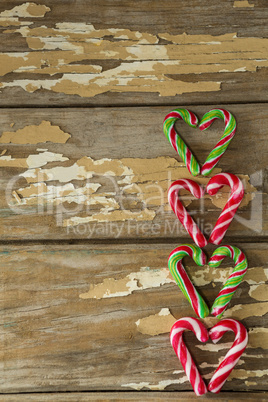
123,105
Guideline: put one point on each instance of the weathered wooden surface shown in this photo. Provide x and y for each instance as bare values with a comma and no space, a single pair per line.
133,396
104,173
89,318
98,318
114,52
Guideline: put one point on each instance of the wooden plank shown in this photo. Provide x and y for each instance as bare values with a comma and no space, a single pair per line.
112,53
104,173
133,396
87,318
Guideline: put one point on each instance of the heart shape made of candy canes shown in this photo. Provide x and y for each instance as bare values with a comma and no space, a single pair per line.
215,334
190,118
178,272
214,184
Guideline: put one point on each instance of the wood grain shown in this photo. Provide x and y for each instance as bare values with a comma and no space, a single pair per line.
97,174
117,53
71,319
132,396
84,88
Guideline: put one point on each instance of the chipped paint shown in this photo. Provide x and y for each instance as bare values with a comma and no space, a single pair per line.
146,64
241,374
56,195
13,16
203,277
259,292
256,275
160,386
32,161
210,347
137,189
258,338
146,278
135,179
242,311
243,4
34,134
26,10
209,322
156,324
250,383
114,216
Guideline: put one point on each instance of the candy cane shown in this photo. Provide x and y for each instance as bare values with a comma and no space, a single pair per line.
180,210
234,279
226,216
232,356
230,129
176,339
179,274
191,119
175,140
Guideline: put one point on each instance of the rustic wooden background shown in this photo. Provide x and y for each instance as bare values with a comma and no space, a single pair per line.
87,301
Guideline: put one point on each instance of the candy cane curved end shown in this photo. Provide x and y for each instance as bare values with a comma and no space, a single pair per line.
227,214
183,281
177,142
180,211
224,297
189,366
221,146
233,355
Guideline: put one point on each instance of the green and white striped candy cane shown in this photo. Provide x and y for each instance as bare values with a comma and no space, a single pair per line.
182,279
176,141
230,129
222,300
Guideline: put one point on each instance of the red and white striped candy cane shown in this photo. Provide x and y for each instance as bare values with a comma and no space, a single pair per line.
181,212
232,356
176,333
226,216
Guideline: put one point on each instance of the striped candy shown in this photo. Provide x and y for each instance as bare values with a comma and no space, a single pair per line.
232,356
176,339
234,280
226,216
179,274
230,129
215,334
191,119
180,210
176,141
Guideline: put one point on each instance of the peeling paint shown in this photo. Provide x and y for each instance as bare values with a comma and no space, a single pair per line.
114,216
203,277
32,161
146,65
56,195
146,278
156,387
241,374
26,10
250,383
256,275
242,311
210,347
258,338
135,179
156,324
34,134
243,4
259,292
